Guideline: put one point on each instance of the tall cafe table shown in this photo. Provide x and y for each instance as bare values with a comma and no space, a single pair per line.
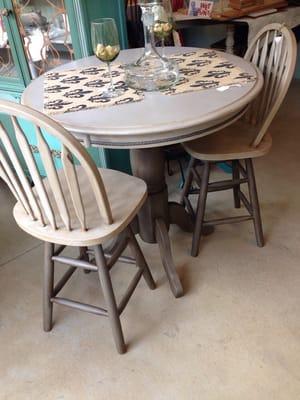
145,127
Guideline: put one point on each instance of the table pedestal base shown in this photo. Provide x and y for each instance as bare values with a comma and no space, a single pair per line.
157,213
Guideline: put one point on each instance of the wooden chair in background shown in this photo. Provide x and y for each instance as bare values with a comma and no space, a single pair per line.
274,52
77,205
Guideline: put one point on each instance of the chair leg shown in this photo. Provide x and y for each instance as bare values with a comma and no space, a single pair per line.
170,172
48,286
188,181
254,202
110,299
181,173
236,188
140,260
84,256
200,209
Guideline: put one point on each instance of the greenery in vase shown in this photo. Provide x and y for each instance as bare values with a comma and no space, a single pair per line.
162,29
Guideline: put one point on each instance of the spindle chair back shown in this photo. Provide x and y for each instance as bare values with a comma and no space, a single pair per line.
274,52
52,210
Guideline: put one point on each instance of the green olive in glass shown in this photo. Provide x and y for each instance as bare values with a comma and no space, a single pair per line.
106,46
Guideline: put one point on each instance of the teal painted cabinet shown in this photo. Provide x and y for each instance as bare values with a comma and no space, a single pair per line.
38,35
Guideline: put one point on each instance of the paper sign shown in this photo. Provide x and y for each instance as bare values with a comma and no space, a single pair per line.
200,8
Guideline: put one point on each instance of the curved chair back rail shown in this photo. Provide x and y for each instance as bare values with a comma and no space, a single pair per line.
274,52
36,201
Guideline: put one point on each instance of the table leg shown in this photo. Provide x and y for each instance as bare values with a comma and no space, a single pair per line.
230,38
162,237
180,217
157,213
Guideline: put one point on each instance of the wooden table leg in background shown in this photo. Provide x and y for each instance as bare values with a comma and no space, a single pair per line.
230,38
157,214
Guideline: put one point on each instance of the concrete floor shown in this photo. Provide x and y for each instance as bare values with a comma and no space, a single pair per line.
234,335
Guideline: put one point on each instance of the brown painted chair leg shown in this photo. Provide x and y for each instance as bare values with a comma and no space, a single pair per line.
236,188
188,181
48,286
84,256
255,204
140,260
200,209
110,299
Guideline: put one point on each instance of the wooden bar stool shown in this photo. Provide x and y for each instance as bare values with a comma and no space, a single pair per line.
274,52
77,205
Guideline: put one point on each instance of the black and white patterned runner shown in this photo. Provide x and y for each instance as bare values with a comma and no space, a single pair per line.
82,89
205,69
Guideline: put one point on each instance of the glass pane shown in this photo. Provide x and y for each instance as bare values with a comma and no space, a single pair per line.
45,31
7,67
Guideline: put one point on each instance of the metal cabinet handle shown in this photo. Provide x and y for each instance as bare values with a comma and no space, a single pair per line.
4,12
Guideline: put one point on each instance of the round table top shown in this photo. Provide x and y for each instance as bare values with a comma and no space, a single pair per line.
158,119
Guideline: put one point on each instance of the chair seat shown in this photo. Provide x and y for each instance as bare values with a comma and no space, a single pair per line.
231,143
126,195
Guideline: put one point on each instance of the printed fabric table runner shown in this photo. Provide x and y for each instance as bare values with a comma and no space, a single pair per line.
82,89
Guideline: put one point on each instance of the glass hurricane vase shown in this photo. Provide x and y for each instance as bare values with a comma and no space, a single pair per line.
151,71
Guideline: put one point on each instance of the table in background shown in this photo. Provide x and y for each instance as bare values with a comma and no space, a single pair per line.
145,127
289,16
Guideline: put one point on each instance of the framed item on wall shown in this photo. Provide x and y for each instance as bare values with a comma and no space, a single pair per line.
200,8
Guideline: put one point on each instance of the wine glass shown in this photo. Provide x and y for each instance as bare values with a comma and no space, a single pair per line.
106,46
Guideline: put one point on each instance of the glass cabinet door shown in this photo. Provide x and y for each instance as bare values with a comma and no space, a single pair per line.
37,35
7,65
45,32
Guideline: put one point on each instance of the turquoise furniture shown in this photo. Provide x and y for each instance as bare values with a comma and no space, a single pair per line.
38,35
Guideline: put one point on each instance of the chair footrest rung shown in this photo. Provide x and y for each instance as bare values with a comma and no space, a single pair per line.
225,185
229,220
124,259
75,263
79,306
